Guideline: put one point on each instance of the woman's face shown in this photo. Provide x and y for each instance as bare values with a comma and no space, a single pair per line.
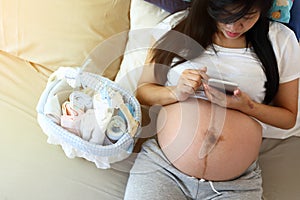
238,28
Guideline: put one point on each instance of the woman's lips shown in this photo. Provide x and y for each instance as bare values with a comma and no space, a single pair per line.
231,34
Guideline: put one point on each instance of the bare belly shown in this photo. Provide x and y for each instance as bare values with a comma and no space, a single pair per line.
230,147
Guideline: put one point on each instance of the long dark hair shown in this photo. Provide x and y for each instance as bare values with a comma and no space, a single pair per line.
200,26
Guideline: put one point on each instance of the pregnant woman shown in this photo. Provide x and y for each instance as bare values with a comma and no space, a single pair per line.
207,148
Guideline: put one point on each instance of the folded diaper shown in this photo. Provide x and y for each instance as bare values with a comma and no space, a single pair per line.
103,110
56,96
71,117
73,111
81,101
89,129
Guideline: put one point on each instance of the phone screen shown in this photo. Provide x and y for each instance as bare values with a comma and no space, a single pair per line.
223,86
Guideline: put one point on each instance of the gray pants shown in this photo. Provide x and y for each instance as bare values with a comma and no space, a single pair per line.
153,177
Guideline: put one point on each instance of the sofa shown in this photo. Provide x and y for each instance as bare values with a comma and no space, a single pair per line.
39,37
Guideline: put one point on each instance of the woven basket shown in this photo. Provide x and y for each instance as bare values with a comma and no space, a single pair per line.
75,146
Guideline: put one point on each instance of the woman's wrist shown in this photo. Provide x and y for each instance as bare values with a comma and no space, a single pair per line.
173,95
250,108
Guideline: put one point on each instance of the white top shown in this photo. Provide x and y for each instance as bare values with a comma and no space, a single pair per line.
241,65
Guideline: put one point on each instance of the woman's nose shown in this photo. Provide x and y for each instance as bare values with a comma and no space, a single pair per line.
235,26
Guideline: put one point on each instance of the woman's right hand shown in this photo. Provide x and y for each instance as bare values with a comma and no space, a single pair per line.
189,81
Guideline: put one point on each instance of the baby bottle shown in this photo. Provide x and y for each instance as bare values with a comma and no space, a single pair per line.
115,128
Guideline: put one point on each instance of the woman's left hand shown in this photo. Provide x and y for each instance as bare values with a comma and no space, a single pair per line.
238,101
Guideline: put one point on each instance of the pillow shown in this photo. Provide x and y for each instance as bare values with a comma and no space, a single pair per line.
280,10
57,33
171,6
145,17
294,23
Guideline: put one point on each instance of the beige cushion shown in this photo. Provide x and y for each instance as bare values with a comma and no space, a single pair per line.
60,33
21,83
280,164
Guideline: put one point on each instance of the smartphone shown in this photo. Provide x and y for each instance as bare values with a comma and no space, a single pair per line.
199,94
223,86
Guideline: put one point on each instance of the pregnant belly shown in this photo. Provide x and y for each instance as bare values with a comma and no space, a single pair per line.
208,141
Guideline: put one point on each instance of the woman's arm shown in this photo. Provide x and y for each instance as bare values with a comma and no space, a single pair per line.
282,114
152,91
154,94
